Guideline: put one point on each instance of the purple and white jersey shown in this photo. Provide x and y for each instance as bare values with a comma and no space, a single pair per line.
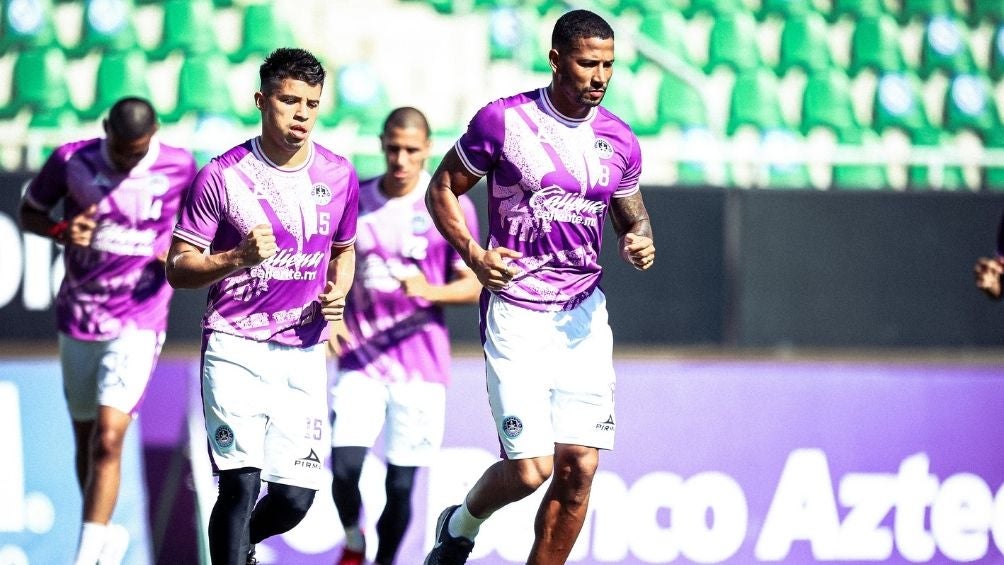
550,181
119,280
395,337
311,208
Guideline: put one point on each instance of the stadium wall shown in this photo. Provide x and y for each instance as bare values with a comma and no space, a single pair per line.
757,268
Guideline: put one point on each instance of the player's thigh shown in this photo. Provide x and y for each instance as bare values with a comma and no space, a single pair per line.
358,407
126,367
415,423
518,350
80,361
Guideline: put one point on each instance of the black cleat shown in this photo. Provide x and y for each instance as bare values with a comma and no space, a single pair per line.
448,549
251,558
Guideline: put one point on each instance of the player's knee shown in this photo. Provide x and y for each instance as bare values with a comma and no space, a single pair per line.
532,473
107,444
295,501
347,464
400,481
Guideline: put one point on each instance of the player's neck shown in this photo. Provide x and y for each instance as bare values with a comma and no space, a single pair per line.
286,158
390,189
566,107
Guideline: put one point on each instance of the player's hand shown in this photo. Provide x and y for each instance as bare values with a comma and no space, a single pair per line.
638,250
257,246
332,302
338,338
988,275
416,286
493,269
82,226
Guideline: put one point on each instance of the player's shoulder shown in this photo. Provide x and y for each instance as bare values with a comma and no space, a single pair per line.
326,157
513,100
176,153
68,150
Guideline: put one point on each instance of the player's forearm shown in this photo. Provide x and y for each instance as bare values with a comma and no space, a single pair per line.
462,290
342,268
191,268
37,222
628,215
444,207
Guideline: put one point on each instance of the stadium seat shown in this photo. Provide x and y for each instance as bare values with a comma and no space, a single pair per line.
986,11
620,99
898,104
970,105
39,85
862,176
803,44
782,167
754,101
120,73
784,9
715,8
996,68
187,27
826,102
679,103
732,43
945,48
934,175
106,25
649,7
667,30
26,23
360,97
856,9
925,9
263,29
202,88
875,45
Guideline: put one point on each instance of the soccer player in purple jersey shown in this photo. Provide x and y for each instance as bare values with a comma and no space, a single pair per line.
269,226
989,270
120,195
557,162
393,349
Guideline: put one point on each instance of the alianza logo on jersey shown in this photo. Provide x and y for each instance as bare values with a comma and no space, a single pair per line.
288,265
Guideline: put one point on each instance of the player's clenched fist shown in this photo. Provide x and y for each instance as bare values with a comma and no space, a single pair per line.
332,302
82,226
638,250
258,245
988,275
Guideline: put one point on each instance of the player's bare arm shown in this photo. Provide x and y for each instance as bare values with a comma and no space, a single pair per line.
189,266
341,269
463,288
988,273
452,179
634,231
77,231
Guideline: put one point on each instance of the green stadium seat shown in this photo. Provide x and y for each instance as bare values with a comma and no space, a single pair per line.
505,34
39,85
202,88
986,11
782,168
803,44
934,175
875,45
898,104
996,70
754,101
925,9
263,29
679,103
715,8
187,27
826,102
668,30
26,23
732,43
945,48
784,9
620,99
970,105
859,176
120,74
993,177
106,25
856,9
649,7
360,98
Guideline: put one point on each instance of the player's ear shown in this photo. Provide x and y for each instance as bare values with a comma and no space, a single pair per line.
259,100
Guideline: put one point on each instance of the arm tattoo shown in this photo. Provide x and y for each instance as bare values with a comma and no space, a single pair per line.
628,214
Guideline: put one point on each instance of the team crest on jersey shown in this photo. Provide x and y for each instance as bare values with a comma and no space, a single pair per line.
603,148
321,194
420,223
224,436
512,427
159,184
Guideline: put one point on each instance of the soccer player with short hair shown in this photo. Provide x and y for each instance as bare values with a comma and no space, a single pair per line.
269,226
120,197
394,350
557,163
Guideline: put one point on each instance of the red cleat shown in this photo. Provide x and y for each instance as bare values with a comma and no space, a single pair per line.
351,557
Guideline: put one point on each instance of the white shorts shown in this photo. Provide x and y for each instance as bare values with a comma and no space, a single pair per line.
414,413
550,376
111,373
265,407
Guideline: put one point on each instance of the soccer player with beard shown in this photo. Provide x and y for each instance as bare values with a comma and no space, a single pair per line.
557,163
394,350
269,226
120,198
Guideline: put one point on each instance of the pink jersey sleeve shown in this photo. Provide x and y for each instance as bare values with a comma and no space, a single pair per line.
480,146
345,235
203,209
